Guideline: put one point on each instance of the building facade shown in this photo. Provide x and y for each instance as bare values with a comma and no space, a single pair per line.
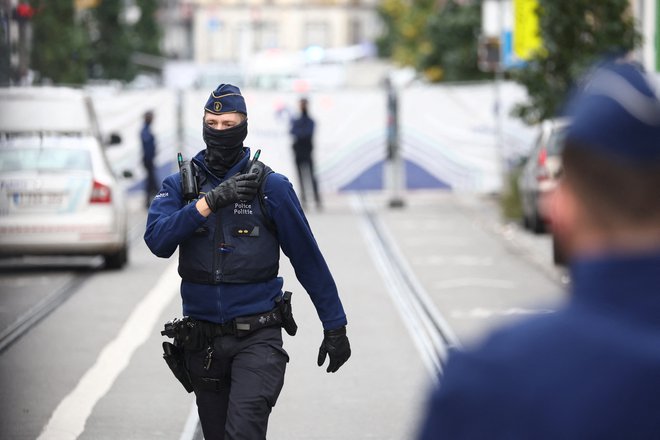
233,30
647,14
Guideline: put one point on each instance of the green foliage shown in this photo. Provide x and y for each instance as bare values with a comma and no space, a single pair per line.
147,31
61,50
114,44
441,42
454,33
70,47
510,199
574,33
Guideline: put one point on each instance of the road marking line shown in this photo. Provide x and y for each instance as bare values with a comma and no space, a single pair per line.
69,418
457,260
474,282
487,313
192,421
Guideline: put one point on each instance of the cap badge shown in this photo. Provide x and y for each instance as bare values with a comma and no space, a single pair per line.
217,106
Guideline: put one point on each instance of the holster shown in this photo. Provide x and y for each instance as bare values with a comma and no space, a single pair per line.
284,305
173,355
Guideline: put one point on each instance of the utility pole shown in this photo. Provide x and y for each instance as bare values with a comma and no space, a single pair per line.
499,75
5,43
393,146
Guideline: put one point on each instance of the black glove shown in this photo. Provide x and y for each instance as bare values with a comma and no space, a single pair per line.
335,343
241,187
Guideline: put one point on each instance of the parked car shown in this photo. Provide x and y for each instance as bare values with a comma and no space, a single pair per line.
58,194
540,171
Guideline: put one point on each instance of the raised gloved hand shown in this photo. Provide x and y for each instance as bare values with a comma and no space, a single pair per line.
240,187
335,344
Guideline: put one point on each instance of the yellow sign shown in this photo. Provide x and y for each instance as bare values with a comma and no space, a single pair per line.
526,38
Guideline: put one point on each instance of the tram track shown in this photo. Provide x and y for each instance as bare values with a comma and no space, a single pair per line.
44,307
428,329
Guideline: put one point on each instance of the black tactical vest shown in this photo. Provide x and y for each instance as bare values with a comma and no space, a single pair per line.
237,244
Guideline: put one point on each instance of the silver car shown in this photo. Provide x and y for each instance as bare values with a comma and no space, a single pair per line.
58,195
541,171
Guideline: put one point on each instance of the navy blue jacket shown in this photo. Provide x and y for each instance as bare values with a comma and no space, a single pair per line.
148,145
302,130
588,371
171,221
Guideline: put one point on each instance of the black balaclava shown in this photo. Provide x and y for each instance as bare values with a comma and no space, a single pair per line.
224,148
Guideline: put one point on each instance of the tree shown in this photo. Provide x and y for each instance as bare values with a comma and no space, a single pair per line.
574,33
147,30
438,38
62,49
454,34
114,44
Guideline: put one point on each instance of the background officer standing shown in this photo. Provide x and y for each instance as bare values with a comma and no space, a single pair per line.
229,239
592,369
302,130
148,157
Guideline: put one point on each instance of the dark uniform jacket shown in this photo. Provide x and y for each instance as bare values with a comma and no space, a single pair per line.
148,146
588,371
302,130
172,222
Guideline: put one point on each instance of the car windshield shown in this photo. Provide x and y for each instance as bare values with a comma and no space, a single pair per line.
556,141
44,159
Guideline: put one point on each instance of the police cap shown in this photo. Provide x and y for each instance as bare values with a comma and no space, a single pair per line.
617,112
226,98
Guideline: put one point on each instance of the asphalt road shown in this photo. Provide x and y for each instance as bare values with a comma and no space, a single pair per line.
92,369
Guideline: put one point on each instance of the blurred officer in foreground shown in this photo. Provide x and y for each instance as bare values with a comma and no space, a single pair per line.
592,369
302,130
148,157
229,233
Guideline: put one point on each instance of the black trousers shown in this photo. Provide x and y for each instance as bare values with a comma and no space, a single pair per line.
306,175
151,185
237,392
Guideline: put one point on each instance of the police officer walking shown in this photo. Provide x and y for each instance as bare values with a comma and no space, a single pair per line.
592,369
229,233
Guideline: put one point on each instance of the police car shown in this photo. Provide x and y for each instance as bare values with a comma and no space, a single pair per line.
58,194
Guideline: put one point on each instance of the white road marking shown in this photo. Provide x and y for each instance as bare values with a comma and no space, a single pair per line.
69,418
482,313
489,283
191,423
456,260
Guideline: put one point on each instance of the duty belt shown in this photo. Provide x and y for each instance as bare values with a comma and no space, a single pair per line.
241,326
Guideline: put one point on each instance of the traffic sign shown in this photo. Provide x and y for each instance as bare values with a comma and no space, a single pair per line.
526,37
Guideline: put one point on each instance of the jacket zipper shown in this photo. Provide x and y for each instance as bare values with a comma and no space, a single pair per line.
218,256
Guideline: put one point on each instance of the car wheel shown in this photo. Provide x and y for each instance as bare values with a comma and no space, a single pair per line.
536,223
116,260
558,256
525,221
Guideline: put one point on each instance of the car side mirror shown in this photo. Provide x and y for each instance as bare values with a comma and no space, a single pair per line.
114,139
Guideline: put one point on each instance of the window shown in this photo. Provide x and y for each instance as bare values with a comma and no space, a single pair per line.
317,34
46,159
355,31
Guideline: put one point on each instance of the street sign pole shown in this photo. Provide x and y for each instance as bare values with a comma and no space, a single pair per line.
394,147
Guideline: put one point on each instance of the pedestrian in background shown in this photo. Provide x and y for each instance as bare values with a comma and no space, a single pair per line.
302,130
148,157
229,237
592,369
